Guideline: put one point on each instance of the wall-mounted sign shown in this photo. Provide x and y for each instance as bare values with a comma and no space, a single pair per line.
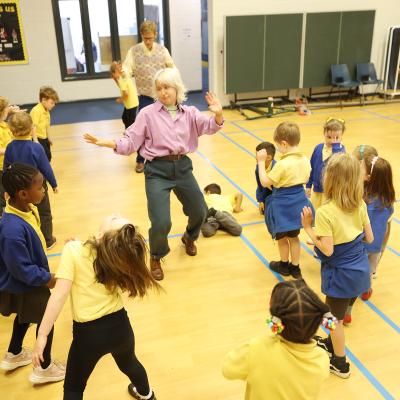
12,41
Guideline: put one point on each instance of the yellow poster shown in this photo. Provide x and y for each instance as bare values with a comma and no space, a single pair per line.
12,41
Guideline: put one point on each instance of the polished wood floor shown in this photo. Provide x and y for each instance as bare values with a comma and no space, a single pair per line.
219,299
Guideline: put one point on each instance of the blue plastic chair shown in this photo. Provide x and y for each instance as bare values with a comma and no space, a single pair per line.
340,78
366,75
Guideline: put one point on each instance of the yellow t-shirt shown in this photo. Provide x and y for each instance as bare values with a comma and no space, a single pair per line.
220,202
5,138
277,369
41,120
126,84
31,217
292,169
90,300
344,227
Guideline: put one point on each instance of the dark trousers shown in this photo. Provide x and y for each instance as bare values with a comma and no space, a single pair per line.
160,178
46,219
2,199
143,102
17,338
46,146
91,341
129,116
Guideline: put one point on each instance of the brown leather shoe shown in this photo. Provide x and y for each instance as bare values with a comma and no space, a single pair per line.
191,249
139,167
156,270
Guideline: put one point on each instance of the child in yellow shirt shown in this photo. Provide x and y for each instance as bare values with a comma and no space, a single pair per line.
286,364
5,138
40,115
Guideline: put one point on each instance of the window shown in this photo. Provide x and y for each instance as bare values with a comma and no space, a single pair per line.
93,33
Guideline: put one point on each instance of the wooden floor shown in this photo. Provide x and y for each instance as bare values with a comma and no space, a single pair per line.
219,299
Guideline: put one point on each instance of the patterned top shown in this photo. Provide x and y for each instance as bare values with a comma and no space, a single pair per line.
143,64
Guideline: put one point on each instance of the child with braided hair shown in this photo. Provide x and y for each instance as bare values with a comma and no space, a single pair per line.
286,364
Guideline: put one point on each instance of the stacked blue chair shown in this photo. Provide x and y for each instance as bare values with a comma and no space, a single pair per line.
340,78
366,75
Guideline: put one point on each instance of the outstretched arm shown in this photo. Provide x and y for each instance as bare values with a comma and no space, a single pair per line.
53,309
99,142
214,105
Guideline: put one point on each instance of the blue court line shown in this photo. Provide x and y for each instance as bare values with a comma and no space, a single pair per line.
238,145
381,116
395,219
386,319
352,357
247,131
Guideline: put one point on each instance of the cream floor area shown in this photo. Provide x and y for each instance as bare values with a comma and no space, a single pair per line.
219,299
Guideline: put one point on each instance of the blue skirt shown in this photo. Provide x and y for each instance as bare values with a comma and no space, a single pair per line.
345,274
283,209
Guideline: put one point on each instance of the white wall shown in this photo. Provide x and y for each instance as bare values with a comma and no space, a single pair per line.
387,14
20,83
185,27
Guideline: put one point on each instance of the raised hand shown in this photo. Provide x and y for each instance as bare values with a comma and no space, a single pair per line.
306,217
261,155
214,105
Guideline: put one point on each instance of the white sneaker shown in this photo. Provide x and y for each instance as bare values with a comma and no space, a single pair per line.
12,361
53,373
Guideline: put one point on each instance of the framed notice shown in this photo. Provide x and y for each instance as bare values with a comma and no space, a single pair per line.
12,41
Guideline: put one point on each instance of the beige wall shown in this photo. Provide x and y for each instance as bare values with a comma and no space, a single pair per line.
387,14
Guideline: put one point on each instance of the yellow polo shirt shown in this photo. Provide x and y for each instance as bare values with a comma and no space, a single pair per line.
220,202
31,217
126,84
5,138
344,227
292,169
41,120
90,300
277,369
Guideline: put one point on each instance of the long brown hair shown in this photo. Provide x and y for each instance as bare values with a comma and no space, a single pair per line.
343,182
380,182
120,261
299,308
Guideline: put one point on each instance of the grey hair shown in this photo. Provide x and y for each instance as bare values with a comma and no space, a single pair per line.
171,77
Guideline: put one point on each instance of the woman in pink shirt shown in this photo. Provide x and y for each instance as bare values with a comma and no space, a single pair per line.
165,132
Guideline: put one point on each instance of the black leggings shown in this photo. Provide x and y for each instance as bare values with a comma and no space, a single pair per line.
18,334
94,339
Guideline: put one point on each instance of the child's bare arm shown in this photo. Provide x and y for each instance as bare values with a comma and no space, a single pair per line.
386,237
238,202
264,180
369,236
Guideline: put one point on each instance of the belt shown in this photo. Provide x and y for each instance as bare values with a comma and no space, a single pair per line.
171,157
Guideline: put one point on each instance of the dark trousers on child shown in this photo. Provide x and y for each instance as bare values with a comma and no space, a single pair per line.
92,340
162,177
129,116
46,219
143,102
223,221
2,199
46,146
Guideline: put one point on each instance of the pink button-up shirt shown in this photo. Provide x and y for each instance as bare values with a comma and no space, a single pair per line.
157,134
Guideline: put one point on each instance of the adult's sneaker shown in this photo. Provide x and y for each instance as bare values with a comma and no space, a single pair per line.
340,367
12,361
53,373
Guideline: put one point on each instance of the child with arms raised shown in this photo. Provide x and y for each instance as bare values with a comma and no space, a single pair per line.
341,226
283,214
95,273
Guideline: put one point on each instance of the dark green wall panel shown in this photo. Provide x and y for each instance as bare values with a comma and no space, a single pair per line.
321,48
244,53
282,51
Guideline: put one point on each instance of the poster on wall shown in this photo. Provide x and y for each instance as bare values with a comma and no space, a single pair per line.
12,42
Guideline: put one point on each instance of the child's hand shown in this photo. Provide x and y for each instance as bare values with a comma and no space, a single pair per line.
119,100
261,155
37,354
55,190
50,141
70,240
214,104
306,217
52,282
261,208
308,192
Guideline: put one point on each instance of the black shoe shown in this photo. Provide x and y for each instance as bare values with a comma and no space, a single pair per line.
325,344
280,267
295,271
133,392
340,367
211,212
